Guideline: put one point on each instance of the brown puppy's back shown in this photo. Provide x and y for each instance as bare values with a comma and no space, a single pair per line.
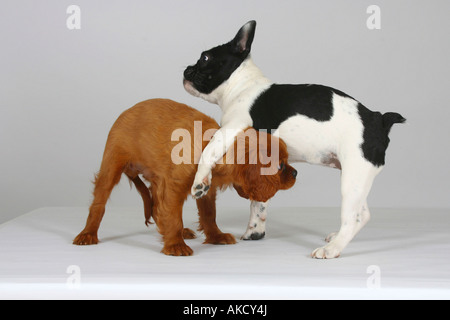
141,138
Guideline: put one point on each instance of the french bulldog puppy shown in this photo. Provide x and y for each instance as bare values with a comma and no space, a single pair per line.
319,124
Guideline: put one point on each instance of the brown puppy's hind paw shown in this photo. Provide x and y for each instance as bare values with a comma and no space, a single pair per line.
189,234
85,239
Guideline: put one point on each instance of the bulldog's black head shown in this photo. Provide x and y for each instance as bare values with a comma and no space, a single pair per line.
216,65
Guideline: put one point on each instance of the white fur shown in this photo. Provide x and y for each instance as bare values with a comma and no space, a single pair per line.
235,96
257,222
312,141
334,143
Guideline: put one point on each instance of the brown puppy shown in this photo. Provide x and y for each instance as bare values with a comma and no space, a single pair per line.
140,142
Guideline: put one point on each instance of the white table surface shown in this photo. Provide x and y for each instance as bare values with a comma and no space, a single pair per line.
407,250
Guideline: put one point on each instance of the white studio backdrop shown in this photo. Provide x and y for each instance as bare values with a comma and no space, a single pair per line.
65,79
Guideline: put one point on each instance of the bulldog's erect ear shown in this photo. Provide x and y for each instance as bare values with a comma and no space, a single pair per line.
244,38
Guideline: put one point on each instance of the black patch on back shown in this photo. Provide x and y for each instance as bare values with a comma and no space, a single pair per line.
282,101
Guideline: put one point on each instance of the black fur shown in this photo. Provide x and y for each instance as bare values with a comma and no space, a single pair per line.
376,131
215,66
282,101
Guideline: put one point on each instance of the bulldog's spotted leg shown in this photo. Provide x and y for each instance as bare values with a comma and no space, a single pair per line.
257,225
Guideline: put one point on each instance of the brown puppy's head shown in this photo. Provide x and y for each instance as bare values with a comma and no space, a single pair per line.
262,167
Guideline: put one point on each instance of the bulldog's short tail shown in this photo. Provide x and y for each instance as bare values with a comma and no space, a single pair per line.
391,118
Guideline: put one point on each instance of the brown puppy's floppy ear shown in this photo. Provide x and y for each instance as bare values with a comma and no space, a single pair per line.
256,186
253,156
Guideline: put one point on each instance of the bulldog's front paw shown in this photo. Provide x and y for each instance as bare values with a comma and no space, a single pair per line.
253,236
255,231
200,187
200,190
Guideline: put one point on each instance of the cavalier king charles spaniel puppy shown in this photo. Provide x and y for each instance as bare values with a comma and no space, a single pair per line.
145,141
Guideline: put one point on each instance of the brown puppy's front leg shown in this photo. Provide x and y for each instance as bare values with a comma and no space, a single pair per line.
207,214
187,233
173,233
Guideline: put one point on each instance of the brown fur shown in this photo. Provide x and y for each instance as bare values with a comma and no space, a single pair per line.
140,143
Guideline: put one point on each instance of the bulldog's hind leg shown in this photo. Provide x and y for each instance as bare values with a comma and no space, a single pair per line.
362,218
357,179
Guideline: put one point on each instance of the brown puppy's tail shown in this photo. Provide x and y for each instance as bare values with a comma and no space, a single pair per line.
146,197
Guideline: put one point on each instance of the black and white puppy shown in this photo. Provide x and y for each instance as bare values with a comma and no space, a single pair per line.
319,124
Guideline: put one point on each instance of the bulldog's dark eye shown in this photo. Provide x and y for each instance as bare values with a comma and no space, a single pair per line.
204,58
281,166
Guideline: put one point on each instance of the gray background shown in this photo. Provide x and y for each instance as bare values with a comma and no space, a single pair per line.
61,90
